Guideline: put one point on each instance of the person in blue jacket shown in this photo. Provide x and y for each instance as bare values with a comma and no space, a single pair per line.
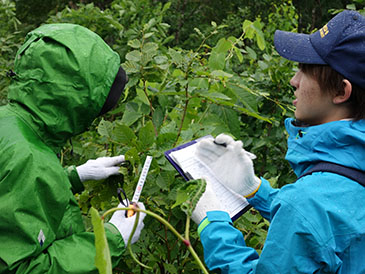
317,224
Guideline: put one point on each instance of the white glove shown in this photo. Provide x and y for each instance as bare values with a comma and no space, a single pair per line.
207,202
233,164
125,225
101,168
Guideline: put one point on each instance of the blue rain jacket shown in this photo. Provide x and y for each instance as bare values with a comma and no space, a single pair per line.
317,224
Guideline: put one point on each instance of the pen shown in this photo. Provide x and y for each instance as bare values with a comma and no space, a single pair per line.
223,144
140,184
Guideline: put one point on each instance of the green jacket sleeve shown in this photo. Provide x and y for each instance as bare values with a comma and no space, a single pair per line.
74,178
41,227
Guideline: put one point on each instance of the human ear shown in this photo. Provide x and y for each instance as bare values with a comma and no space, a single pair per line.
345,94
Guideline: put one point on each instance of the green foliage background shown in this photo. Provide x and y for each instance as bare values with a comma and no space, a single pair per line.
194,68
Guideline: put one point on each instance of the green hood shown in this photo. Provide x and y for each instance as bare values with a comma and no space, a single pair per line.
64,73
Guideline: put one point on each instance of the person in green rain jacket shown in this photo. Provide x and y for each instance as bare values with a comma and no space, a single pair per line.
64,77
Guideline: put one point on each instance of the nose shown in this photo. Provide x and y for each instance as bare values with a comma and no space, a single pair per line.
294,81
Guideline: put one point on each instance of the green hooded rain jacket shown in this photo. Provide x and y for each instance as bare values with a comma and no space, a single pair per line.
63,74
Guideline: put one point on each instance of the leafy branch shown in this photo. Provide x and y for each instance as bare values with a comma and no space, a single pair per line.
195,190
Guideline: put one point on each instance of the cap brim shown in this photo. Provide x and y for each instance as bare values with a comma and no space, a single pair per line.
296,47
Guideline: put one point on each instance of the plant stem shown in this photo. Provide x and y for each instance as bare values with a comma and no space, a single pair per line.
187,228
168,225
149,101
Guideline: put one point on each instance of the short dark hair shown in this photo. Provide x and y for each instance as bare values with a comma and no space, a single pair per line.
331,82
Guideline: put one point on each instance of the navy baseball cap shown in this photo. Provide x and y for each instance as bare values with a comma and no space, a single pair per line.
340,44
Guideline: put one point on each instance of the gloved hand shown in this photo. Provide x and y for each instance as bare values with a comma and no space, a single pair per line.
100,168
125,225
207,202
233,163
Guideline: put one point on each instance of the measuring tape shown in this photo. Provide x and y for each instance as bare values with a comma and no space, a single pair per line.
142,179
140,184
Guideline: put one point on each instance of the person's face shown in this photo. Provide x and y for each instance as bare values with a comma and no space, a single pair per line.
313,106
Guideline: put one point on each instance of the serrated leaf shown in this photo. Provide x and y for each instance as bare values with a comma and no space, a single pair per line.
157,117
105,128
131,114
147,134
263,65
217,60
142,96
160,59
134,56
222,46
132,156
245,96
246,24
181,197
251,53
194,190
260,40
176,56
166,140
220,73
102,258
131,67
238,54
135,43
150,47
200,83
214,95
170,268
147,35
123,134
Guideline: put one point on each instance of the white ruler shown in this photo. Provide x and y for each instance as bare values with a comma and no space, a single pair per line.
142,179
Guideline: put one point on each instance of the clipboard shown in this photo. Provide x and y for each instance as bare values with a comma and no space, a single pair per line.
182,158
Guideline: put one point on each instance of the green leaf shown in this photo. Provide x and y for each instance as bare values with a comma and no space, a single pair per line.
150,47
170,268
105,128
157,117
123,134
181,197
245,96
263,65
131,67
217,60
238,54
131,114
142,96
102,258
251,53
134,56
214,95
222,46
200,83
164,178
166,140
194,190
135,43
148,35
132,156
147,134
260,39
161,59
220,73
246,24
247,29
176,56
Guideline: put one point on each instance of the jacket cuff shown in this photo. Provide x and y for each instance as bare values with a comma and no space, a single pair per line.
74,178
214,216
